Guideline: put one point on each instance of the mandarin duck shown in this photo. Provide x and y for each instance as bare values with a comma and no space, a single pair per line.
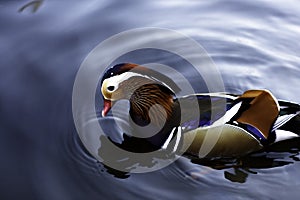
242,124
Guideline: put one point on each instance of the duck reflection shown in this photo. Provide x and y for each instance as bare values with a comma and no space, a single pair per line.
123,162
237,169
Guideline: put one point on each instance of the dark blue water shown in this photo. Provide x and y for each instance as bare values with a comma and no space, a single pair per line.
254,44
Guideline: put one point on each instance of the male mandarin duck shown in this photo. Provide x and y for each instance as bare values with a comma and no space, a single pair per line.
247,124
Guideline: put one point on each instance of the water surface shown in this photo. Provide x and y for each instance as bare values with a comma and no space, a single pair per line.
253,44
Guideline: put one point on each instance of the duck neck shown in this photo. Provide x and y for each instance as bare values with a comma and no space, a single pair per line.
154,104
150,104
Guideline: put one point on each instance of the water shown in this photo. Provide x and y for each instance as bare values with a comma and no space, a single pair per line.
253,44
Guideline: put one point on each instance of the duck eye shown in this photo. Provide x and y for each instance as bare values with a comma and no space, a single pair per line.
110,88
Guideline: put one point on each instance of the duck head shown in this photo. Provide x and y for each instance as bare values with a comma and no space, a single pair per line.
151,95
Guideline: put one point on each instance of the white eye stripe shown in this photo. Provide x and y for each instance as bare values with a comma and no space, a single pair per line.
116,80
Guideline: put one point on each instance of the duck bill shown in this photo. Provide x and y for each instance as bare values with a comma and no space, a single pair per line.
107,106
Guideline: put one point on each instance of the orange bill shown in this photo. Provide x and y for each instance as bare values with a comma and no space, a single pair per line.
106,108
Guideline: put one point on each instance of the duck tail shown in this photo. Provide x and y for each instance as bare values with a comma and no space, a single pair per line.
287,124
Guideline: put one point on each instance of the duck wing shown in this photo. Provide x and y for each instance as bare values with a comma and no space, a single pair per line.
209,108
288,111
242,124
287,125
256,111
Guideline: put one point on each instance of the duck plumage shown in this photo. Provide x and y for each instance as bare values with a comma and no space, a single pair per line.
245,124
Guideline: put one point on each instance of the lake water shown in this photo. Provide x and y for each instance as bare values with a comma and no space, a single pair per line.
254,45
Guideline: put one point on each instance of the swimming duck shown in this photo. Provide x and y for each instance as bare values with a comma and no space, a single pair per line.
248,123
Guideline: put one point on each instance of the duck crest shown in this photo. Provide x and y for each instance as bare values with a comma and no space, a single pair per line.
142,71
